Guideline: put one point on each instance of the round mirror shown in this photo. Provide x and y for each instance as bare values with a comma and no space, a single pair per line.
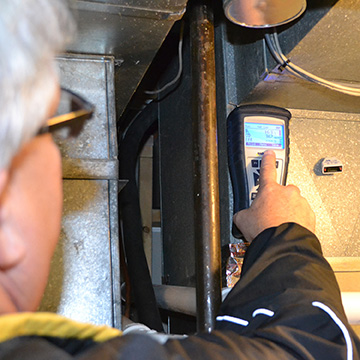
263,13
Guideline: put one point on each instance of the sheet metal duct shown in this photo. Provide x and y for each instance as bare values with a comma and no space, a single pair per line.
131,31
116,42
330,50
84,282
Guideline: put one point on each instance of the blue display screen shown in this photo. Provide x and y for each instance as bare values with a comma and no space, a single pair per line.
264,135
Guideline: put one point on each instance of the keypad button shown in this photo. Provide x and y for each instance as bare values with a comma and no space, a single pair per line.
253,195
255,163
256,176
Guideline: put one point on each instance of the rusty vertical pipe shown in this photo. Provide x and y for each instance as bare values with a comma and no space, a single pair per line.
207,224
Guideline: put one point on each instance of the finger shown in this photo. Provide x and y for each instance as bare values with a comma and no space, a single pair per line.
268,168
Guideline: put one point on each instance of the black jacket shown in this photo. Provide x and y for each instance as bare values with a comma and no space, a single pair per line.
286,305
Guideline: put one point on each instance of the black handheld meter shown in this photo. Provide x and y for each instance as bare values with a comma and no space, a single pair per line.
252,129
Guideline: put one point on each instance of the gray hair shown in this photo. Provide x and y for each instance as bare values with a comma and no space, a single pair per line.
32,32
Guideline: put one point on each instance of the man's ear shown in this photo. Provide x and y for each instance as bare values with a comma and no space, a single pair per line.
4,174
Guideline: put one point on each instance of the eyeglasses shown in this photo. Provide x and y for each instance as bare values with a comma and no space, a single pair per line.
71,107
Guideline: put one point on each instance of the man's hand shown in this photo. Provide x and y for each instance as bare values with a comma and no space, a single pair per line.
274,205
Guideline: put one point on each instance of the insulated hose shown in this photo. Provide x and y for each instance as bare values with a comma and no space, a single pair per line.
130,145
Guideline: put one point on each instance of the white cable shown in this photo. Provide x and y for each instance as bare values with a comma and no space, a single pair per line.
310,76
296,70
275,49
178,75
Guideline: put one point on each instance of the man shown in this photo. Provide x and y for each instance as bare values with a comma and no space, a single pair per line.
286,305
30,185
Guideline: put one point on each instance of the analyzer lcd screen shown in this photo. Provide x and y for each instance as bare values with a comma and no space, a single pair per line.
264,135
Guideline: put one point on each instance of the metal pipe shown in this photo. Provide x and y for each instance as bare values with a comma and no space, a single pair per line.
139,274
207,224
180,299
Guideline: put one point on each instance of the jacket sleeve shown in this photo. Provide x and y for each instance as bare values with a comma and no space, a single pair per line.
288,297
287,305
